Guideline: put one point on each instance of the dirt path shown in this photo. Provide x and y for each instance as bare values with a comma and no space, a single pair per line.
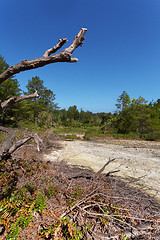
135,159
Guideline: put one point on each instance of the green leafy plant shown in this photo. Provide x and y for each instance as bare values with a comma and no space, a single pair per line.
30,188
39,203
50,191
17,208
14,232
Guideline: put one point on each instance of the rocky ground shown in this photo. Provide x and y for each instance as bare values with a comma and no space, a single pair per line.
137,162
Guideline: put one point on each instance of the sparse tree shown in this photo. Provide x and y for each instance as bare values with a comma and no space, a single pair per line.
123,101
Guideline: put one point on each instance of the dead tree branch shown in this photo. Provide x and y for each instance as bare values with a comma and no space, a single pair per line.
15,99
55,48
8,147
63,56
8,143
103,168
20,142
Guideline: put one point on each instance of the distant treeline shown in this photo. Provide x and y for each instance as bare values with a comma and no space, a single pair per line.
134,117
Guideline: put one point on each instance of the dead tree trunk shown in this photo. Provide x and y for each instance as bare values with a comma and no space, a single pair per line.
8,147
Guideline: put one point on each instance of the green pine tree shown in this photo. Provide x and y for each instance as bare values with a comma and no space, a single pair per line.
8,89
45,102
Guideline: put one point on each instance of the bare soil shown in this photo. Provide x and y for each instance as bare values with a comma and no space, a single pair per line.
138,161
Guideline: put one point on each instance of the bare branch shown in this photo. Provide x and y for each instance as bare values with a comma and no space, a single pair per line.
15,99
63,56
55,48
8,143
102,169
20,142
78,41
6,130
8,147
111,172
22,98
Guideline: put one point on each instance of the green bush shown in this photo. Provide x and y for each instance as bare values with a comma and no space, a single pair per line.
70,136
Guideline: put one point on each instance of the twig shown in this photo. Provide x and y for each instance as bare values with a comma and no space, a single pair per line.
102,169
81,201
123,216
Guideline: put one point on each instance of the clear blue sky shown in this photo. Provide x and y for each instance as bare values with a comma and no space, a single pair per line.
121,50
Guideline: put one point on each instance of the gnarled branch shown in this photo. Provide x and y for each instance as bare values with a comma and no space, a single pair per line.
8,147
20,142
63,56
15,99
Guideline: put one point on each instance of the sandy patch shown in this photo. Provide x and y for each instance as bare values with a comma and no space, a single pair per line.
135,159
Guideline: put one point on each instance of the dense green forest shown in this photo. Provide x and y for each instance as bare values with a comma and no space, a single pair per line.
133,118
